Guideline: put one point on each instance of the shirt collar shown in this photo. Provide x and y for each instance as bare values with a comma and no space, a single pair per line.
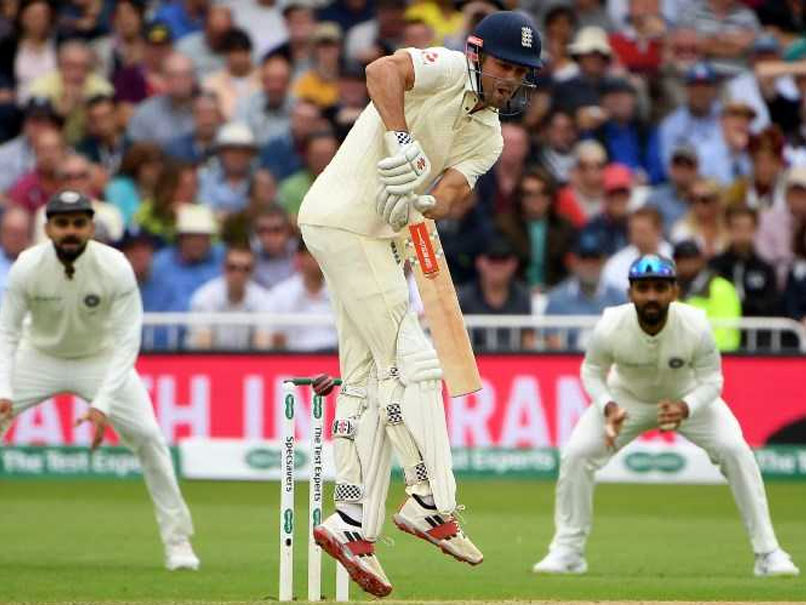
469,100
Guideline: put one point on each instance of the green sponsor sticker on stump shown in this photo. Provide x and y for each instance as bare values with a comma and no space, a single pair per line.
288,521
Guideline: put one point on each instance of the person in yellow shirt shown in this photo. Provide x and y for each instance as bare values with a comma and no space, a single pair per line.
70,85
441,15
320,84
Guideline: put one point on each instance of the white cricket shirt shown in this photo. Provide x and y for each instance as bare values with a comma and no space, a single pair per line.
681,362
438,114
291,296
98,310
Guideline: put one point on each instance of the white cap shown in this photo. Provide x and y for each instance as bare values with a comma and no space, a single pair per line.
235,134
195,219
590,39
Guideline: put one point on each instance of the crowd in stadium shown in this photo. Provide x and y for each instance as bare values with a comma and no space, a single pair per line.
197,126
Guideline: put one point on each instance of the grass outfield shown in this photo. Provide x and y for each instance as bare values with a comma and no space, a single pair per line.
96,541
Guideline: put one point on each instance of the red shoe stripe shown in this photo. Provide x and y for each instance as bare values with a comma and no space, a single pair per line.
360,547
449,529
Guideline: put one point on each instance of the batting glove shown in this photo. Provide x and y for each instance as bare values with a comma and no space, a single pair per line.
407,166
397,210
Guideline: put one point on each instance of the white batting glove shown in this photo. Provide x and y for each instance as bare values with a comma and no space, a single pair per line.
397,210
407,167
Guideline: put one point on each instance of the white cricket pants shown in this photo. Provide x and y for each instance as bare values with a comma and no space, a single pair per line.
714,428
38,376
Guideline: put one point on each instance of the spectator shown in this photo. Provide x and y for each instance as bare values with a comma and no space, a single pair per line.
379,36
681,53
726,28
83,20
232,292
32,51
559,24
584,293
591,13
177,186
183,17
283,155
542,239
464,232
104,144
497,188
725,159
126,44
74,173
556,154
304,292
628,139
167,116
194,259
144,77
696,122
300,23
591,51
237,227
239,78
765,187
701,287
645,234
782,230
705,220
671,199
138,246
497,291
136,180
262,20
794,298
638,45
440,16
610,225
353,99
70,85
198,146
753,279
15,236
346,13
224,185
17,156
268,111
274,245
10,112
320,147
583,197
206,48
35,188
418,34
320,83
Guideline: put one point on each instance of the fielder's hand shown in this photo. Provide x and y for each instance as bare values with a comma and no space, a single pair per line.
323,384
407,166
671,414
396,210
614,419
99,423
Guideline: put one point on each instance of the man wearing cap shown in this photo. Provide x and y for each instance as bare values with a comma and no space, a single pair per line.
696,122
591,50
671,198
725,158
17,156
83,338
653,363
433,117
224,185
320,83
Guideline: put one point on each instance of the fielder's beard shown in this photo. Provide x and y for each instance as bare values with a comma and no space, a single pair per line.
68,257
652,319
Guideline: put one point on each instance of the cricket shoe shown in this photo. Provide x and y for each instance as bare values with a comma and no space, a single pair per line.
775,563
561,562
344,542
180,555
417,518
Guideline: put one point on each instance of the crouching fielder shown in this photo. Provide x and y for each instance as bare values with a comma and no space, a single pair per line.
433,116
83,338
653,363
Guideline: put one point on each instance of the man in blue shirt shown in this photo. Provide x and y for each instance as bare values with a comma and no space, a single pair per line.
670,199
610,225
583,293
183,16
193,260
224,185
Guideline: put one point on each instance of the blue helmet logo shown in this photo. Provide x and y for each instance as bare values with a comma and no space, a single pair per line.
653,266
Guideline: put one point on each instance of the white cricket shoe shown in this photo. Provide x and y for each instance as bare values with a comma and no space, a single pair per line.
775,563
443,531
345,543
561,562
180,555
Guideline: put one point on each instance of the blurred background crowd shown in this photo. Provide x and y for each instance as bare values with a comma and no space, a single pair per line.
197,126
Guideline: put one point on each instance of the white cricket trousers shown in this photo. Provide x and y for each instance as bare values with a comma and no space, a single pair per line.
713,428
38,376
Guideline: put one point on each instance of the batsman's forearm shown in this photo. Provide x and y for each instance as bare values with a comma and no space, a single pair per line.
386,87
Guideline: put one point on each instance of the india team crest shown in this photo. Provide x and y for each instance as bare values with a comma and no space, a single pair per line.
526,37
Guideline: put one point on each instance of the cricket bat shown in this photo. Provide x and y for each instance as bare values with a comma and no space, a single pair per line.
421,247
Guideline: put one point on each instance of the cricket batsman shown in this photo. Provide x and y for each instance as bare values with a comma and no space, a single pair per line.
431,130
652,363
83,337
